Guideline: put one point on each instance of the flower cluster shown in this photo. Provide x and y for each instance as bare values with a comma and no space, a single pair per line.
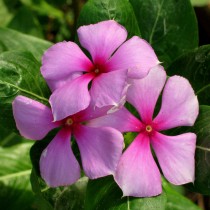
87,102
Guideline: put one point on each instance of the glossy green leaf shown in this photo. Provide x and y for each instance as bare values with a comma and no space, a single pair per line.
13,40
176,201
195,66
202,166
105,194
119,10
19,75
72,197
29,25
15,169
170,26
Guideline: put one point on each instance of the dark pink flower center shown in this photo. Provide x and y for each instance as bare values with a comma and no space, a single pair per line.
69,122
97,69
148,129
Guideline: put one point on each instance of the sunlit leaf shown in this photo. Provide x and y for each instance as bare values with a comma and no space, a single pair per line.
15,169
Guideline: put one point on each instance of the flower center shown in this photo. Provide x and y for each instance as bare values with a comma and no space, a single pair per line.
96,71
69,121
149,128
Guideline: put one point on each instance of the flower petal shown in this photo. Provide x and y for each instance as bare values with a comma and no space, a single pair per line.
108,88
58,164
121,120
61,61
91,112
33,119
102,39
100,149
176,156
55,84
136,55
143,94
137,173
71,98
179,105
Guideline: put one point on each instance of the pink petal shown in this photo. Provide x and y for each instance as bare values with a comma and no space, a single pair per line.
91,112
136,55
61,60
143,94
176,156
100,149
121,120
71,98
58,164
137,173
55,84
108,88
179,105
33,119
102,39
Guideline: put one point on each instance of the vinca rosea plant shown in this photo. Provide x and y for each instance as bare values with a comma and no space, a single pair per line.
115,118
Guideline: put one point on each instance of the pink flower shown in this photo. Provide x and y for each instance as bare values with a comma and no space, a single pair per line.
100,147
68,71
137,173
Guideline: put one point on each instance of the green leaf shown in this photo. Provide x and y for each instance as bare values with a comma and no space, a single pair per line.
15,169
105,194
119,10
19,75
170,26
195,66
202,157
5,14
29,25
176,201
9,138
72,197
200,3
43,8
13,40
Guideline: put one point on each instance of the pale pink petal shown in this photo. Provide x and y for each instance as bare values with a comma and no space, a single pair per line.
176,155
33,119
100,149
102,39
108,88
143,93
179,105
62,59
136,55
121,120
57,83
71,98
58,165
91,112
137,173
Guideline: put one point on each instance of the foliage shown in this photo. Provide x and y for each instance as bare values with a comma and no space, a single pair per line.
25,26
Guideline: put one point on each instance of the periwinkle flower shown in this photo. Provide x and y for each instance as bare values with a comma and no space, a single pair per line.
68,71
137,173
100,147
